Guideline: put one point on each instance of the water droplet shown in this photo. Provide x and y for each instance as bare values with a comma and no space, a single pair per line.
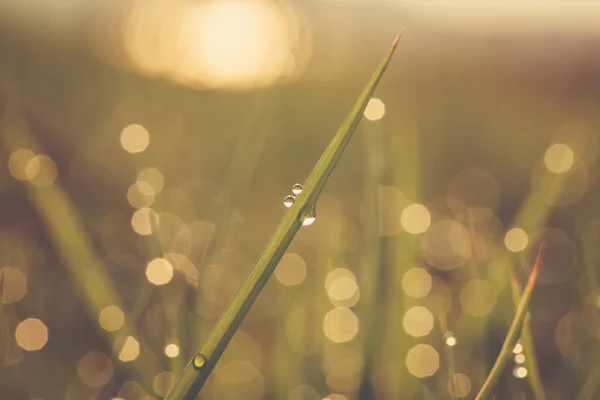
289,201
450,339
518,348
310,219
520,372
297,189
520,358
199,361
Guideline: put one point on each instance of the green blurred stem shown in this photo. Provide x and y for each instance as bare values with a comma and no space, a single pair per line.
590,387
533,374
449,357
371,276
68,234
513,333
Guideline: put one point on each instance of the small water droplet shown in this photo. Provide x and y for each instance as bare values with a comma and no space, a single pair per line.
518,348
297,189
199,361
520,358
289,201
310,219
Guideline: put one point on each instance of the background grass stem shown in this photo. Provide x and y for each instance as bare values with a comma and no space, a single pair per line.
513,333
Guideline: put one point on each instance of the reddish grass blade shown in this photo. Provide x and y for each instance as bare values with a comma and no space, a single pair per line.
513,333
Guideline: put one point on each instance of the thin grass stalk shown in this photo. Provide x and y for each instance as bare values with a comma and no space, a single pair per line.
286,364
371,276
450,364
513,333
533,373
590,387
69,236
403,254
197,371
541,200
476,270
329,256
531,216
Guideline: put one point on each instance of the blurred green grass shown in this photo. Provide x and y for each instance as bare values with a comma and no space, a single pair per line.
458,101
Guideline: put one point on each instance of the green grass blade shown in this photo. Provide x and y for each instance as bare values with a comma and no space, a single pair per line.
201,365
513,332
590,387
533,375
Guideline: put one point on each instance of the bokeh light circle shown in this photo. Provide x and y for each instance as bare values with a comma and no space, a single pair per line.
31,334
446,245
422,361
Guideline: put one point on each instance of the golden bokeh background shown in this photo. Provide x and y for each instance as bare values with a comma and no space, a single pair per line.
147,146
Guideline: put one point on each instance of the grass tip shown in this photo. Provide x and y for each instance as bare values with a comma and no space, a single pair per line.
513,277
397,38
537,266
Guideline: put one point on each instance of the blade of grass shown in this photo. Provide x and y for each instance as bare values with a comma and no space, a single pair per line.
199,368
404,252
533,375
513,333
371,274
590,387
65,227
449,358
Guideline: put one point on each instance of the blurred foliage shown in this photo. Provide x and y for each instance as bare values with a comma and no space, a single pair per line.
112,273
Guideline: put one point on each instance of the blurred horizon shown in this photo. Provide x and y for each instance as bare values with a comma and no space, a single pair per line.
146,148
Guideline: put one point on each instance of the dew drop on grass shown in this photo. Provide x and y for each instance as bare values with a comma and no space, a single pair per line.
199,361
518,348
310,219
520,358
297,189
450,339
289,201
520,372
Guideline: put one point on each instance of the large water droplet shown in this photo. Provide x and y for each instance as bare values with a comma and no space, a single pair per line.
199,361
297,189
310,219
289,201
